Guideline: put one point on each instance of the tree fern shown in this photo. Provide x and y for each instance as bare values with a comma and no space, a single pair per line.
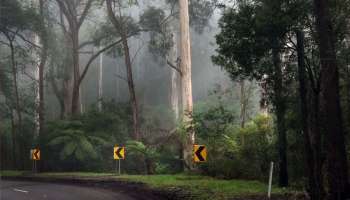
68,150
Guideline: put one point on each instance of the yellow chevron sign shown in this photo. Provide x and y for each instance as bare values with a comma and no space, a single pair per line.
35,154
199,153
119,153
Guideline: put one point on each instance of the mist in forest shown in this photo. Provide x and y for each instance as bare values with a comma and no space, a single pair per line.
151,73
80,77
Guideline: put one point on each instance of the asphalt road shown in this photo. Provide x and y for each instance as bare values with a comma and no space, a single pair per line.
21,190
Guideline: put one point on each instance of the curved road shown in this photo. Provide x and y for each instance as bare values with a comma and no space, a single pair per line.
22,190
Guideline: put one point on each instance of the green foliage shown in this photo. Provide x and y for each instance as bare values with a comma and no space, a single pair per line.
233,151
214,122
159,116
15,157
256,147
86,142
6,86
138,148
200,13
105,34
239,46
249,32
204,187
75,142
154,20
15,16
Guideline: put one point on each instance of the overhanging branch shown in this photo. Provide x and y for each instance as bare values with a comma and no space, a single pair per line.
86,68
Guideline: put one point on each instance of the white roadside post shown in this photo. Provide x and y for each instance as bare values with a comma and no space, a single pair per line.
270,181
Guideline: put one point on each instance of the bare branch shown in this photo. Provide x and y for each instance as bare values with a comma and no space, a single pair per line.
86,43
137,52
84,14
174,67
121,77
86,68
16,33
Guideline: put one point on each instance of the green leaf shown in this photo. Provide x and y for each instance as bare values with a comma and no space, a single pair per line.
59,140
80,155
98,140
87,148
68,150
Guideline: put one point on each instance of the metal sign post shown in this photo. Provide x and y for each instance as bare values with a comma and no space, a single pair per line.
116,166
35,170
34,156
118,154
119,166
33,161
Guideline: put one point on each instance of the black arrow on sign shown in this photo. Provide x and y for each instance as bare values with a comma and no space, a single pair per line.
36,154
198,153
118,152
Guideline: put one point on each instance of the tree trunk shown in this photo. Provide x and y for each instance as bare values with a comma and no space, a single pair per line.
175,105
315,186
174,76
100,82
14,142
76,107
41,105
186,82
131,86
71,85
243,102
150,166
243,107
67,83
348,93
337,174
264,97
316,143
15,85
16,120
41,39
67,93
58,93
119,26
280,116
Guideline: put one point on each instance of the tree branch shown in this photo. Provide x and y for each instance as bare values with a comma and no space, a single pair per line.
137,52
16,33
86,43
121,77
312,78
174,67
86,68
84,14
63,8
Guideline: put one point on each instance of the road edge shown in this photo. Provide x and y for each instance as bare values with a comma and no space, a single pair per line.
134,189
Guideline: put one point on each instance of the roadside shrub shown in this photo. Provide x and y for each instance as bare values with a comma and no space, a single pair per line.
236,152
85,142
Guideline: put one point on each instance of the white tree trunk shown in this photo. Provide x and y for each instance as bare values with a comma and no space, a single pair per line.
175,86
100,82
186,83
37,89
36,57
